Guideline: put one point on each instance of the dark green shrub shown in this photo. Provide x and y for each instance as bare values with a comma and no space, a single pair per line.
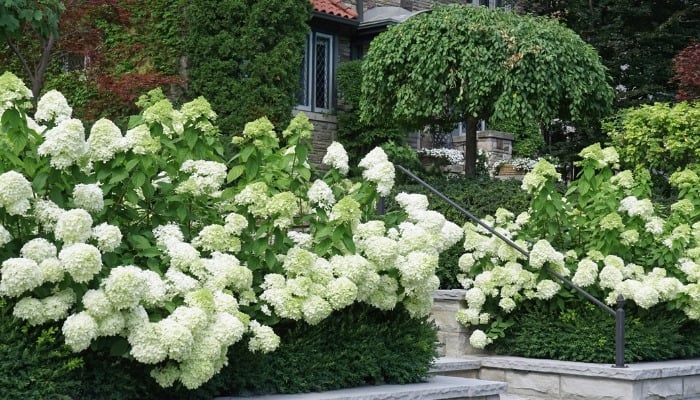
479,196
355,346
359,137
244,57
34,363
583,332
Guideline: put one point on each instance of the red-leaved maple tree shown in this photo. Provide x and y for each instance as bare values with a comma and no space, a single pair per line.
686,66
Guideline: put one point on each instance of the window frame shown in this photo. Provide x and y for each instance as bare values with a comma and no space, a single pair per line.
308,72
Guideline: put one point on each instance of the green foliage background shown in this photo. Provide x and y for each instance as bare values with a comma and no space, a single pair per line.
359,137
244,57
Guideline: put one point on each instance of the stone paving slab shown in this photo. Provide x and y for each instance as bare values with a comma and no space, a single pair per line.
436,388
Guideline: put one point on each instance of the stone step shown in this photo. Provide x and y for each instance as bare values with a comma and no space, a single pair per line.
435,388
460,367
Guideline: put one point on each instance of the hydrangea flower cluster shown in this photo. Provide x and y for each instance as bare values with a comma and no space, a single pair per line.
117,249
626,239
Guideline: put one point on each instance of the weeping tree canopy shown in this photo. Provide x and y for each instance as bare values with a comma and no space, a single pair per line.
465,63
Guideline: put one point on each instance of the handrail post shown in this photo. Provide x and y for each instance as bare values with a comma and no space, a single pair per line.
620,333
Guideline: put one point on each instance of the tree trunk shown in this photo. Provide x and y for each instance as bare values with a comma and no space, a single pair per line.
470,146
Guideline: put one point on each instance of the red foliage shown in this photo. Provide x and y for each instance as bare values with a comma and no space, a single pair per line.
82,44
686,66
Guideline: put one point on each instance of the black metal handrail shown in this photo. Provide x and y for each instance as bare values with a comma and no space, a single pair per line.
619,313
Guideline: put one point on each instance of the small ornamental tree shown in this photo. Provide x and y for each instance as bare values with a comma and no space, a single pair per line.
146,245
464,63
686,66
244,56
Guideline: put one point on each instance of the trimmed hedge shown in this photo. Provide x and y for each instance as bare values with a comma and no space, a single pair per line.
356,346
583,332
34,363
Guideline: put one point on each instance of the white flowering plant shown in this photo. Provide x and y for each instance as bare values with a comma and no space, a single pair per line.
448,156
149,245
605,234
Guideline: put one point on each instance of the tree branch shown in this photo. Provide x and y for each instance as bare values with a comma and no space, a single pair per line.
19,55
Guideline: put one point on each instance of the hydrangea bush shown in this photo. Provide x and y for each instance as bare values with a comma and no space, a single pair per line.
147,244
605,234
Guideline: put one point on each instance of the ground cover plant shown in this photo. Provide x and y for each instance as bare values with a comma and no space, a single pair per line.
604,233
146,245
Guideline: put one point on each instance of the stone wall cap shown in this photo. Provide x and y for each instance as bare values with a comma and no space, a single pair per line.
449,294
494,134
633,372
450,364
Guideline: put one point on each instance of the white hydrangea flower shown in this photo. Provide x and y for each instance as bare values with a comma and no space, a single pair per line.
479,340
167,233
417,267
156,292
166,376
336,157
635,207
543,252
586,273
179,283
321,194
193,318
81,261
546,289
111,325
629,237
5,236
88,197
56,306
18,276
301,239
507,304
125,286
378,169
216,238
412,203
13,92
341,292
235,223
105,141
346,209
655,226
283,206
534,180
623,179
15,194
79,330
315,309
65,144
38,249
226,328
610,277
30,310
52,107
140,141
254,195
51,270
264,339
183,256
206,177
97,304
147,344
475,298
108,237
73,226
47,213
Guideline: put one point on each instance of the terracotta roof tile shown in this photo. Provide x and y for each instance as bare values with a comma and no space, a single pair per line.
334,7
